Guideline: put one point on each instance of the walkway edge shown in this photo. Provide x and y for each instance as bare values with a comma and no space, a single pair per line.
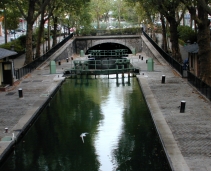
29,117
171,148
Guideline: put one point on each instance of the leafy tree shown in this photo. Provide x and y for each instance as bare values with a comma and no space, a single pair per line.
30,10
118,10
99,9
203,38
10,16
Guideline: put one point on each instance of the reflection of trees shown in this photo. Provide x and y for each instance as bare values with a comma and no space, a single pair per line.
54,143
139,147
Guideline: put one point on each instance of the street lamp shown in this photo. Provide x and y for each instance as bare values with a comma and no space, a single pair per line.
12,47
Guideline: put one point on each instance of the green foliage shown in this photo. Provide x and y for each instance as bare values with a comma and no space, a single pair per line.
186,33
17,46
93,32
181,42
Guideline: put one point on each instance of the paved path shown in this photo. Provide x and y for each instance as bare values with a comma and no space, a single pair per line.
185,136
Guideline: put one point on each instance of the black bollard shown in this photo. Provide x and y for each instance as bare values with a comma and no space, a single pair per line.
182,107
146,61
163,79
20,92
139,56
5,130
59,62
71,58
142,58
67,59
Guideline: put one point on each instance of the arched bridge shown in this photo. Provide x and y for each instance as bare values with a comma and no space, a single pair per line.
130,42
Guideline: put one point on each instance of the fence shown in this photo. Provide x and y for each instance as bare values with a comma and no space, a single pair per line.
167,57
201,86
19,73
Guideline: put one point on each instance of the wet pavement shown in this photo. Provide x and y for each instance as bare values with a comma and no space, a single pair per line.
185,136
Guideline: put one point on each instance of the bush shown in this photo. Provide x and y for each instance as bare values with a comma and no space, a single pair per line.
186,33
17,46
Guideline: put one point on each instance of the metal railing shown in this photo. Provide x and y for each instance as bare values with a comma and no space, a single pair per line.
19,73
167,57
200,85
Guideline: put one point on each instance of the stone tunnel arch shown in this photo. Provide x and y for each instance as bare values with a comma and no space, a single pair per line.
132,42
108,46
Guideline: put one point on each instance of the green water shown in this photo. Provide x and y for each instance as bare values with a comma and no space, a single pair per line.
121,135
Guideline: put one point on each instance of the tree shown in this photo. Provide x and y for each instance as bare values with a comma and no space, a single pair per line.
98,8
30,10
203,36
118,10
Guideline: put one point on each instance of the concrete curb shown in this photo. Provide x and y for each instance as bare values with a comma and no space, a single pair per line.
176,160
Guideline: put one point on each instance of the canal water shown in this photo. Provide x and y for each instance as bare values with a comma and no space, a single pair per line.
120,132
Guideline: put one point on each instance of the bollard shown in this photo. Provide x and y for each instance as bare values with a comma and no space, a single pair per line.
146,61
142,58
59,62
163,79
71,58
182,107
139,56
20,92
5,130
67,59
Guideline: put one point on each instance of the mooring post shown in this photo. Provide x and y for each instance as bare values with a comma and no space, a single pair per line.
20,92
163,79
5,130
182,106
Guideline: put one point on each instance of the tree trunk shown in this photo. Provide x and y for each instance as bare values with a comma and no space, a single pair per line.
54,32
30,22
174,41
204,52
28,58
39,36
164,41
49,34
98,18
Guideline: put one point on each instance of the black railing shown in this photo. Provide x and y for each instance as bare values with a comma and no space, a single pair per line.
200,85
19,73
167,57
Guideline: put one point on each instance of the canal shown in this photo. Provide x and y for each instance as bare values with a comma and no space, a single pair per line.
119,131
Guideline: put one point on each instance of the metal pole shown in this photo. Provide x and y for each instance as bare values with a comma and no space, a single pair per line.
163,79
20,92
182,106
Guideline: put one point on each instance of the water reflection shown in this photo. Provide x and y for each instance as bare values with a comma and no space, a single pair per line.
121,134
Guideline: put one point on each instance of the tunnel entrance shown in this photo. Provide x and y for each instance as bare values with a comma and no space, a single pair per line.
104,59
108,46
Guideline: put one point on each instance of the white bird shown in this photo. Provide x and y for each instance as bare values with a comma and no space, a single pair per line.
83,135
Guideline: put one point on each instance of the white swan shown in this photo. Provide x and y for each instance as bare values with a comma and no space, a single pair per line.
83,135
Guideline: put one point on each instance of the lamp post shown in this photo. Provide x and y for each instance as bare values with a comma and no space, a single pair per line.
12,47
